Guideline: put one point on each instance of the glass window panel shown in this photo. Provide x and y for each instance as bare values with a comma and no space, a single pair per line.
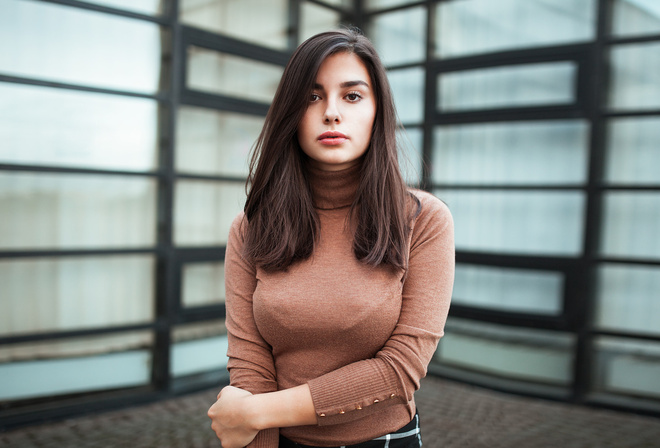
400,36
524,354
517,222
93,363
635,17
214,72
316,19
204,211
628,298
534,152
151,7
203,284
409,143
628,367
213,142
631,222
517,290
64,44
510,86
48,294
70,348
77,129
408,90
262,22
634,76
483,26
192,345
72,211
382,4
633,153
344,3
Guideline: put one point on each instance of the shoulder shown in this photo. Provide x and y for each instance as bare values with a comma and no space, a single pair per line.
239,221
430,215
238,228
430,207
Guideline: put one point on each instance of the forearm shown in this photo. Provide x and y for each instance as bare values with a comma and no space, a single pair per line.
284,408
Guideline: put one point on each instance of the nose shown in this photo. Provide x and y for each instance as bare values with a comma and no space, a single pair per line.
331,113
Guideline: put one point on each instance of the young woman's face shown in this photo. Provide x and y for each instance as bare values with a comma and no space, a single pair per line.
336,128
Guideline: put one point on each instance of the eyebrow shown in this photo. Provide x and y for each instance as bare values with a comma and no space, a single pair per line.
345,84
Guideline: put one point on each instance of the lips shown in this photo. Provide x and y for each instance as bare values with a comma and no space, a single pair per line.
331,138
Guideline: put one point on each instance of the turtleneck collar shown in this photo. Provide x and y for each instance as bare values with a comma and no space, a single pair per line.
334,189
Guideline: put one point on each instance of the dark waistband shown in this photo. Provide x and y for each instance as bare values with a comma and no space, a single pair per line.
410,427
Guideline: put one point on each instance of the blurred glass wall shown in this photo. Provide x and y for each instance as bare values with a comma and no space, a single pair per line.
125,128
538,122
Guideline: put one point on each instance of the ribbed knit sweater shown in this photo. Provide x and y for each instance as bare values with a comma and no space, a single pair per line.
360,336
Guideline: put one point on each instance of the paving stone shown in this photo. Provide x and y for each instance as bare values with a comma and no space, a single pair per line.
453,415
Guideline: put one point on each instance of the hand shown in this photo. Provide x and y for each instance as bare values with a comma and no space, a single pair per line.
230,418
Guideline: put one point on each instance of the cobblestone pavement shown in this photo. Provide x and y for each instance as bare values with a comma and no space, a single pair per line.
452,414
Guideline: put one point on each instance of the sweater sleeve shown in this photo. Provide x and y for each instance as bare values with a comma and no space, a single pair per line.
394,374
251,366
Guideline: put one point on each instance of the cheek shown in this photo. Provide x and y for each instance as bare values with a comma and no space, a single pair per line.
368,127
305,127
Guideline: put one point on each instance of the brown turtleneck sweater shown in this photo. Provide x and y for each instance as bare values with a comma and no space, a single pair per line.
360,337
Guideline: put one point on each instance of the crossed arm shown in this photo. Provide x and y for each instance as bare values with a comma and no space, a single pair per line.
238,415
251,413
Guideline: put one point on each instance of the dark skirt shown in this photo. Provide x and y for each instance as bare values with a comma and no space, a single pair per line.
406,437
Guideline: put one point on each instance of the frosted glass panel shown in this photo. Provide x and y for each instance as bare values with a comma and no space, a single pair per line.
633,152
344,3
198,356
316,19
629,298
631,224
535,152
204,211
64,44
483,26
261,22
213,142
213,72
410,154
381,4
203,284
77,129
517,222
75,292
408,89
192,345
141,6
628,367
46,369
400,36
509,86
71,348
635,17
517,290
634,76
524,354
64,211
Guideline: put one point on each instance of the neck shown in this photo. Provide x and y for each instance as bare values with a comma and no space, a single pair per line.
334,189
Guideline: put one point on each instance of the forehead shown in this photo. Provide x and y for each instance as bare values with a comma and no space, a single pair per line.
341,67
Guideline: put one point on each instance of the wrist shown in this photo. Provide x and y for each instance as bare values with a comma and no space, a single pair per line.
254,412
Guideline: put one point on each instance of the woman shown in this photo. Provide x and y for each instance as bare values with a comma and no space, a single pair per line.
338,276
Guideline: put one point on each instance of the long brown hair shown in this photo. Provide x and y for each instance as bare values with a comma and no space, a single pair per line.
282,223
